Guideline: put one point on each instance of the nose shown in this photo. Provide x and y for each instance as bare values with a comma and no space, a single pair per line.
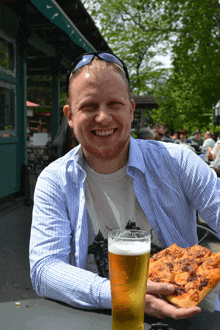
103,115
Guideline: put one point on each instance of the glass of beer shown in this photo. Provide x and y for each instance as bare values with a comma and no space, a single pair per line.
129,254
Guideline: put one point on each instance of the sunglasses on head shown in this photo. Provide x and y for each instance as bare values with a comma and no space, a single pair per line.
87,58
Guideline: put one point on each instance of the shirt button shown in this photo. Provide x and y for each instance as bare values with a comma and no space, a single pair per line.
76,254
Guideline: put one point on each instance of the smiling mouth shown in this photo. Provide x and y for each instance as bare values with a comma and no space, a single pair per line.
104,132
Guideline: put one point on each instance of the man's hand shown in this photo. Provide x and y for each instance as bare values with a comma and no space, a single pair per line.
156,306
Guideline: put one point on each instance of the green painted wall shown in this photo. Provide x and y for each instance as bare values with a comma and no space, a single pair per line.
8,169
13,155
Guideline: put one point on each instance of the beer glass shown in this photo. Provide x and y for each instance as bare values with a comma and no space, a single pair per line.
129,254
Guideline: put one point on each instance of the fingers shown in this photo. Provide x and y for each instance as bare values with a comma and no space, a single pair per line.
158,307
159,288
183,313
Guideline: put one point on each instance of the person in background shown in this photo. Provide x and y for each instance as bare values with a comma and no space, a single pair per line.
183,141
108,179
65,139
197,137
167,136
212,151
175,136
183,138
146,133
216,163
29,131
208,143
159,131
39,128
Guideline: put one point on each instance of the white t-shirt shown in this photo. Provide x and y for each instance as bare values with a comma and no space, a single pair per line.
111,202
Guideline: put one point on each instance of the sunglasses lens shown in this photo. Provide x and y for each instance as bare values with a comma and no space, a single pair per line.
110,58
85,60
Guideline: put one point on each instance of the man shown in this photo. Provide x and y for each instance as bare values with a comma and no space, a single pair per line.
207,146
90,188
216,163
146,133
159,131
167,137
197,137
183,137
186,142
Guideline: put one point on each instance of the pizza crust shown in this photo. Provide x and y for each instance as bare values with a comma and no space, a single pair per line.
194,272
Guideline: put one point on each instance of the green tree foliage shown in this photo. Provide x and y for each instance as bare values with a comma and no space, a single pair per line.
137,30
129,28
194,85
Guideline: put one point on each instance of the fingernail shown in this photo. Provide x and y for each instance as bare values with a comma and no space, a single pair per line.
170,287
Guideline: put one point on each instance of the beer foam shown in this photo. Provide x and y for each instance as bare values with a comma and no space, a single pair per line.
128,247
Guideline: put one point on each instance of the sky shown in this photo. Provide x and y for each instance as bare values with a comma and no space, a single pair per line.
165,60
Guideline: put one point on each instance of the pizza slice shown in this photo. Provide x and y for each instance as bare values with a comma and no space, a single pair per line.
194,271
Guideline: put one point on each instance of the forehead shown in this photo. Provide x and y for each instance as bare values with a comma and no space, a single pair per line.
87,81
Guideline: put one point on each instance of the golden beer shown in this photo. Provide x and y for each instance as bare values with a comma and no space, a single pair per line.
128,268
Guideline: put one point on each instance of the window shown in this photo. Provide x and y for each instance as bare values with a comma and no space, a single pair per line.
7,55
7,110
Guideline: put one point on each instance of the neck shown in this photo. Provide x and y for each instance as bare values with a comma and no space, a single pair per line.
103,166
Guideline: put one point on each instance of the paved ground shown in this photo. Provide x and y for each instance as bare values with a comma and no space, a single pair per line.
15,222
15,283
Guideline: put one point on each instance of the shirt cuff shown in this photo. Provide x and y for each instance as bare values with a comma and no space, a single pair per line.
105,295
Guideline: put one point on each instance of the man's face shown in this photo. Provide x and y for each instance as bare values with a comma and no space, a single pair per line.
100,113
198,136
182,137
159,133
206,136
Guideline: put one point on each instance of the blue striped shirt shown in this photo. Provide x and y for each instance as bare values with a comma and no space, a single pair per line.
170,183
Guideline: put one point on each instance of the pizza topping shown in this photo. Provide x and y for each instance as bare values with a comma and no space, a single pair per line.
170,265
194,296
204,283
194,271
179,291
181,278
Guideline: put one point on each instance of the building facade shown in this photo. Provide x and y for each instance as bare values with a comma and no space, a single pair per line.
37,37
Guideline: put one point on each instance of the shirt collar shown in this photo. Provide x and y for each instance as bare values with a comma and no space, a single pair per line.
135,159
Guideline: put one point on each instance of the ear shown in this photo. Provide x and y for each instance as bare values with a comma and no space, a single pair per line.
133,105
68,113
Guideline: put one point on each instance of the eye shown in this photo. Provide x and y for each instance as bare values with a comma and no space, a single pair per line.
89,106
115,104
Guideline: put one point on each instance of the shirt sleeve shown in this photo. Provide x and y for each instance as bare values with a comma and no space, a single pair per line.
51,273
205,146
216,148
216,162
202,188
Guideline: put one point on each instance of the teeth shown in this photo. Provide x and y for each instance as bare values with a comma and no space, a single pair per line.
104,133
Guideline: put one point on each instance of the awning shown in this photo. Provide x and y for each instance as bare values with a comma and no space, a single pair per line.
57,16
31,104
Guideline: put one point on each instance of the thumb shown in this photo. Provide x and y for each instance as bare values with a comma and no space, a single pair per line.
159,288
